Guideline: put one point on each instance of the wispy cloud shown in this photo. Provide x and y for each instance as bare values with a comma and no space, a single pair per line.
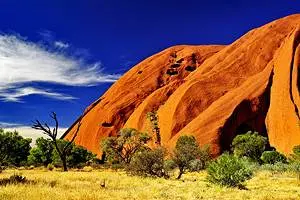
18,93
8,125
61,45
23,62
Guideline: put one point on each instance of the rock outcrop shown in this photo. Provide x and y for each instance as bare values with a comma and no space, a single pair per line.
211,92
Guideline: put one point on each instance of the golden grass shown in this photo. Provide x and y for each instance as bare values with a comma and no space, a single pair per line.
86,186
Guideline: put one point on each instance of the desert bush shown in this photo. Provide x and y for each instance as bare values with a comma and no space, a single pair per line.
121,149
148,162
187,150
272,157
228,170
250,145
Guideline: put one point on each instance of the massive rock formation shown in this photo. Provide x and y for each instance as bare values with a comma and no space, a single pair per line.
211,92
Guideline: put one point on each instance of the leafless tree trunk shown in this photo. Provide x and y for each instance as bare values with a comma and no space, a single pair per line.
62,152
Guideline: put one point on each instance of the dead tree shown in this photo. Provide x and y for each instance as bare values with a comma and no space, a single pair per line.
62,152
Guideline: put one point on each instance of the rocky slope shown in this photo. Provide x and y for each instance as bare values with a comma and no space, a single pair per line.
211,92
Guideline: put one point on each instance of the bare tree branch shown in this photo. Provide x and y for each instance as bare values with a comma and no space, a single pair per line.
53,135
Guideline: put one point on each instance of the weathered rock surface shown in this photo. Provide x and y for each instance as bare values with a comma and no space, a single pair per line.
211,92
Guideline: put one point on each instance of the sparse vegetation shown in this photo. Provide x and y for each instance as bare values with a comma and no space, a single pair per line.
54,185
129,152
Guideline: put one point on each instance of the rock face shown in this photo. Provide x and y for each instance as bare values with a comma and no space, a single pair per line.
211,92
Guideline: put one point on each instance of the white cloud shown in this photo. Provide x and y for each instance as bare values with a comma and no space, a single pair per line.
23,62
16,95
61,44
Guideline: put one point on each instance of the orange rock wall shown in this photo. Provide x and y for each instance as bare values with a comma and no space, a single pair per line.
211,92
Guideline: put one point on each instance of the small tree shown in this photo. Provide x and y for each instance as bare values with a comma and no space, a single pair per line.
42,153
62,151
14,149
250,145
148,163
228,170
123,147
187,150
272,157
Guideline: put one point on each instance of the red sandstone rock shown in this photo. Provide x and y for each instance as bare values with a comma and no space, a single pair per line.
211,92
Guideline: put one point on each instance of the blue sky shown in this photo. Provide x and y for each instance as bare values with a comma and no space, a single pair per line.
61,55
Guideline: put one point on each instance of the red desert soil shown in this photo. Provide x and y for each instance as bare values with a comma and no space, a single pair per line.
209,91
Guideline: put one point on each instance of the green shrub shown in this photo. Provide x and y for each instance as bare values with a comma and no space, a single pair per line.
228,170
250,145
187,150
14,149
272,157
121,149
42,153
148,163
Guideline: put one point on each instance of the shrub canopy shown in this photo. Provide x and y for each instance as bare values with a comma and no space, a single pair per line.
14,149
148,162
188,154
228,170
122,148
250,145
272,157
